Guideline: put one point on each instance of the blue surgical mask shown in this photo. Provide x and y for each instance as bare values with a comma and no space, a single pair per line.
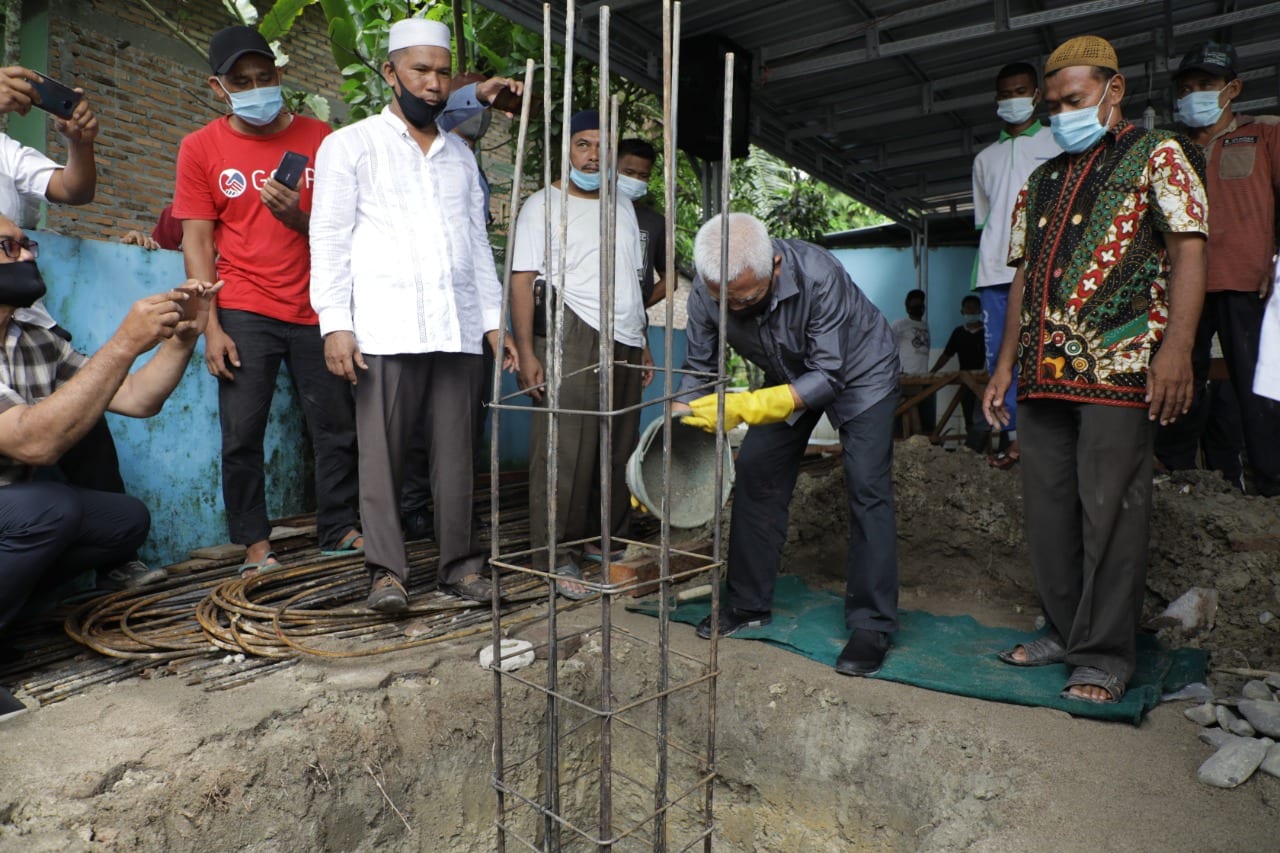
1015,110
970,318
258,107
1199,109
1077,130
585,181
632,188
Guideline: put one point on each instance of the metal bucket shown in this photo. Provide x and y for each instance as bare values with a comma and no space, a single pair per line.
693,473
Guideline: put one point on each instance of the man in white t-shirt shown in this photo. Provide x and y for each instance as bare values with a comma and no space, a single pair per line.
578,476
912,334
999,172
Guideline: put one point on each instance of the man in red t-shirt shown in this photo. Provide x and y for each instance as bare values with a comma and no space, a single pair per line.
227,195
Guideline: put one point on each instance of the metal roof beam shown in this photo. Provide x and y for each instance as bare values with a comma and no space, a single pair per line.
962,34
804,44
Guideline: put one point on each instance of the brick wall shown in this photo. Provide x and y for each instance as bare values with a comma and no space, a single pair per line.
149,90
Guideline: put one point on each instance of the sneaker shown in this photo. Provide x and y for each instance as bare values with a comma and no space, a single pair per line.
131,575
732,621
864,653
387,595
417,525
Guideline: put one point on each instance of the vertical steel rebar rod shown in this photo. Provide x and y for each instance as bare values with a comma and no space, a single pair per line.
670,155
608,255
552,394
725,164
494,458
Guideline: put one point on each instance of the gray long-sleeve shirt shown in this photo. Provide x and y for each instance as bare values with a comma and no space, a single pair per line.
820,335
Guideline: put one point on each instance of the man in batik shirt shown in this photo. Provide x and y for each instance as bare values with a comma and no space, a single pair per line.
1109,242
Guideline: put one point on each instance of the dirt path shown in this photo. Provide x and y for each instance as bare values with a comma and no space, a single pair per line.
393,752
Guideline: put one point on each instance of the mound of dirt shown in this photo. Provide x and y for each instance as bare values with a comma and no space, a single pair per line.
960,524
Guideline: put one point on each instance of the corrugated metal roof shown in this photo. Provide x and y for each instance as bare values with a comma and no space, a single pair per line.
889,100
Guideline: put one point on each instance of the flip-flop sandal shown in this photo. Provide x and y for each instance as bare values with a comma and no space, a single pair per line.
1091,676
1004,460
571,571
1040,652
346,547
252,570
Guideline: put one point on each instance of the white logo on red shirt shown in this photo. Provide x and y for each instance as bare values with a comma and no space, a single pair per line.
232,182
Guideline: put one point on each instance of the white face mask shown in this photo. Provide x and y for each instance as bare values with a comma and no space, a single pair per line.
632,188
1015,110
1200,109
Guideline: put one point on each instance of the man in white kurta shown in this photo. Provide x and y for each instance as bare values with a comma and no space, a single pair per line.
403,280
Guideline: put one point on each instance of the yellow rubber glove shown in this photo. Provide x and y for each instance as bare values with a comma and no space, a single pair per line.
766,406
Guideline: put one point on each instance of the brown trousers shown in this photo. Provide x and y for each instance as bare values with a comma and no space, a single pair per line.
437,393
578,483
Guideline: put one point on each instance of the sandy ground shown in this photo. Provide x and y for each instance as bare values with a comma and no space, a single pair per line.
393,752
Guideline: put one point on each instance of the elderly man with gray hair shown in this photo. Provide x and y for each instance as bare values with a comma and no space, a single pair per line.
794,311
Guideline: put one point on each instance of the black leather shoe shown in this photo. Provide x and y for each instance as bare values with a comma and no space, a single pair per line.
864,653
732,621
473,588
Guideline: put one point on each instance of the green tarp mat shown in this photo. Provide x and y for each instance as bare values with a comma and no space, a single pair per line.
952,654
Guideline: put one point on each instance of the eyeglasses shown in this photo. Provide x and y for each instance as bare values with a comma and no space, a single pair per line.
13,247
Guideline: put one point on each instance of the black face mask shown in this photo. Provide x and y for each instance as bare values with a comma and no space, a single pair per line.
20,284
416,111
755,309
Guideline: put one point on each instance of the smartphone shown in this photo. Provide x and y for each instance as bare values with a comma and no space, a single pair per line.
507,101
55,98
289,172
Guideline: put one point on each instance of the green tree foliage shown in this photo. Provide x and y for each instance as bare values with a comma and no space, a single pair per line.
790,202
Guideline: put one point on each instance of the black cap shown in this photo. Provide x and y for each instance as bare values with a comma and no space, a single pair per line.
1213,58
230,44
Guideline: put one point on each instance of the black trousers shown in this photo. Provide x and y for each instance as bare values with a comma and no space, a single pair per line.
398,397
767,468
1086,495
244,406
51,532
92,463
1237,319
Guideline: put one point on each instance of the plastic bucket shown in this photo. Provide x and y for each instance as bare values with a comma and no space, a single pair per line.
693,473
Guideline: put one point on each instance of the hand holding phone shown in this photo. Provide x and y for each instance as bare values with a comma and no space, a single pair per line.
55,98
290,170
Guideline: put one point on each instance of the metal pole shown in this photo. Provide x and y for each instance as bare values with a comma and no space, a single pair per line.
494,495
725,163
670,90
608,253
552,394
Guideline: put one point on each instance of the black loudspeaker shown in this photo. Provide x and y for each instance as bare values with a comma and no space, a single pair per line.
700,120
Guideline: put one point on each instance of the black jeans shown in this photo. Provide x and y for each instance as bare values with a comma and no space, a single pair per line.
51,532
244,406
767,468
1236,317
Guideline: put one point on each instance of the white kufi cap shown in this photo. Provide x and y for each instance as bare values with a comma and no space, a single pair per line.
414,32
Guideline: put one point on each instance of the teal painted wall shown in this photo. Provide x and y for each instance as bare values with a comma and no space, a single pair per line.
886,275
172,461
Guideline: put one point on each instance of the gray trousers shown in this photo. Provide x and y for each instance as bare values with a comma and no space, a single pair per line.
578,490
397,396
767,468
1086,494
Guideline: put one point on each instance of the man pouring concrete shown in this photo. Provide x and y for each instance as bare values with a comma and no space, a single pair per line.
794,311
